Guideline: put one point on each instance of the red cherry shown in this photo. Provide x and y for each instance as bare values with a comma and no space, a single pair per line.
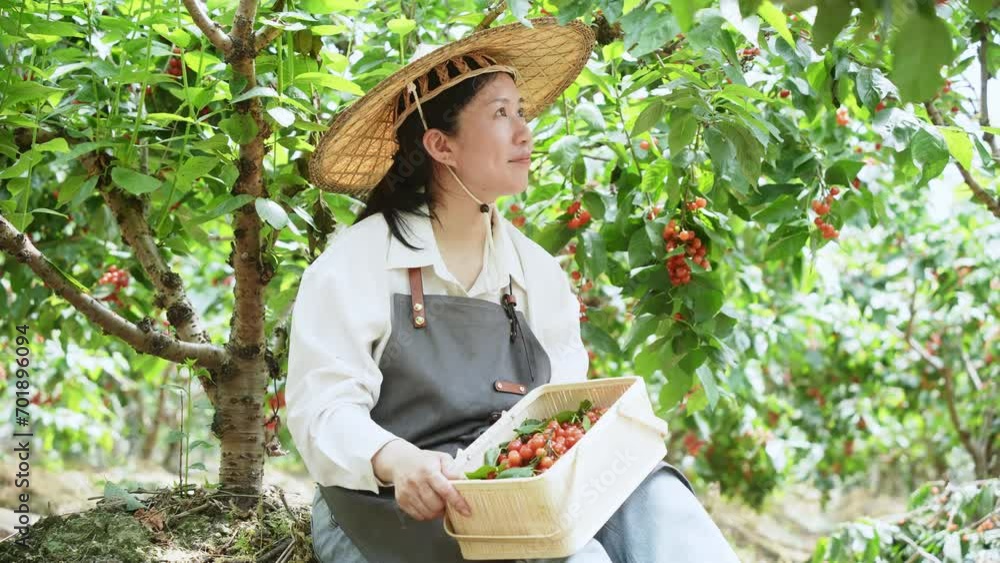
644,145
880,106
573,208
519,221
515,208
514,459
785,93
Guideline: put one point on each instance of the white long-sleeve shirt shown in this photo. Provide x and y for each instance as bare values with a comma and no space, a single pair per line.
341,322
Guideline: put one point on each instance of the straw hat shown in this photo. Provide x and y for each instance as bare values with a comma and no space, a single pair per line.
358,148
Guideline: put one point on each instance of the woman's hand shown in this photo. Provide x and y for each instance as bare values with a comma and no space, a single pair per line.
421,479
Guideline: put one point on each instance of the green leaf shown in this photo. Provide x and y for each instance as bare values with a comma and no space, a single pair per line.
592,115
776,19
595,252
326,80
640,250
594,203
256,92
491,456
748,7
649,117
684,13
690,361
683,128
648,29
749,151
54,145
178,36
959,145
873,87
270,211
194,168
981,8
227,206
133,182
678,384
786,242
401,26
921,47
516,472
19,92
23,164
641,329
707,378
600,340
831,17
565,151
930,153
655,175
554,236
282,116
481,473
196,60
843,172
782,209
564,416
529,426
240,127
707,302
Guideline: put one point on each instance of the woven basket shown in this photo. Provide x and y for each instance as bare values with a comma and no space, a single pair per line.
554,514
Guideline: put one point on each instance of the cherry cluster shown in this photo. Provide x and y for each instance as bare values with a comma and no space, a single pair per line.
174,66
518,219
843,116
697,204
821,208
680,271
539,444
578,217
119,278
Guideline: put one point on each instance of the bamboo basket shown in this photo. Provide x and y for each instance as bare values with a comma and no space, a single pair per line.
554,514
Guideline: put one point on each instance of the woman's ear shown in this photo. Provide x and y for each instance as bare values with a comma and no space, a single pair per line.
439,146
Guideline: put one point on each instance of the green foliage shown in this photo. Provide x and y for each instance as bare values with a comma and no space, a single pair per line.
946,521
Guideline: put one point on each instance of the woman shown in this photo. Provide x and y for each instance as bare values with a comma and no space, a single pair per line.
432,314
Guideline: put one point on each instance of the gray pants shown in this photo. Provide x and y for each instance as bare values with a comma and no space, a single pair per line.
661,521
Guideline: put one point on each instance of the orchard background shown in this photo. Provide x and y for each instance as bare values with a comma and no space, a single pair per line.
783,215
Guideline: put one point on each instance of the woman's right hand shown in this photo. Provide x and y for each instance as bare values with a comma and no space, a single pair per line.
421,479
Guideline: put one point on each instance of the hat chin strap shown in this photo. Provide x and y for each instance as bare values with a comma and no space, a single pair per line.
483,207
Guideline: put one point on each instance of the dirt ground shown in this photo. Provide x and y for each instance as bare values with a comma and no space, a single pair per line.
194,527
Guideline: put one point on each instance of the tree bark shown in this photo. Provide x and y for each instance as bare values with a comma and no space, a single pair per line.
239,420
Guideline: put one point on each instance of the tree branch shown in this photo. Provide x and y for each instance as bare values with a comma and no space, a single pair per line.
212,30
130,213
978,192
242,32
492,15
142,336
266,35
984,77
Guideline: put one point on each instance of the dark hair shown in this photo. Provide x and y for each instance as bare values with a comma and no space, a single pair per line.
406,186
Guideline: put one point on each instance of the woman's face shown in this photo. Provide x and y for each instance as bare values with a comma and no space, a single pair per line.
492,149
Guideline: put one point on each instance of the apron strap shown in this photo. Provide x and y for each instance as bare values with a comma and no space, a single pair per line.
417,298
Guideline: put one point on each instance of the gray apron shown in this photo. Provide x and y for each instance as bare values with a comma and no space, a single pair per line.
449,369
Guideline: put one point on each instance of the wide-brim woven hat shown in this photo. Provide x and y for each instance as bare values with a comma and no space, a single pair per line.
356,152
